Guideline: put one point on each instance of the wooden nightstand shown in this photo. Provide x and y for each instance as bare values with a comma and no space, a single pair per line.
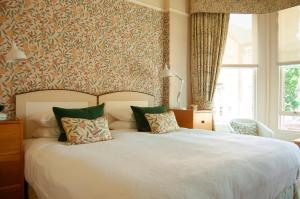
11,159
194,119
297,141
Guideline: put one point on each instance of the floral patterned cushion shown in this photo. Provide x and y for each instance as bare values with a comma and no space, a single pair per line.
245,128
82,131
162,122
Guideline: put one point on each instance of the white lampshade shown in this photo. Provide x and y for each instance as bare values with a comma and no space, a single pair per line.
14,54
167,72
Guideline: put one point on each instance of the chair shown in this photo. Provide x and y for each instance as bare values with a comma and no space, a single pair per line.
237,126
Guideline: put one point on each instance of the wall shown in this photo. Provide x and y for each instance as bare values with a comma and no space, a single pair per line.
179,51
179,45
161,5
95,46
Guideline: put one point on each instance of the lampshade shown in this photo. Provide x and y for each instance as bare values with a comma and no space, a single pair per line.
167,72
14,54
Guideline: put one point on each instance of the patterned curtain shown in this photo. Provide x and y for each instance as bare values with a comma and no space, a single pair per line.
241,6
209,32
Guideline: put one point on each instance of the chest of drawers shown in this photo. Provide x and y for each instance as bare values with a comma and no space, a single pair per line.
11,159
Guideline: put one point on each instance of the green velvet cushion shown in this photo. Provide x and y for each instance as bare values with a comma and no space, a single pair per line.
90,113
139,115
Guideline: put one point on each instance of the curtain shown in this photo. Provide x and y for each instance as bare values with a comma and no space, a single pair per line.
209,32
241,6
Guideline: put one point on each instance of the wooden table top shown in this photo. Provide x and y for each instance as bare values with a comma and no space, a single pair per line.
297,141
10,120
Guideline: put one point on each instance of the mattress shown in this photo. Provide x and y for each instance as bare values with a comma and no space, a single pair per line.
185,164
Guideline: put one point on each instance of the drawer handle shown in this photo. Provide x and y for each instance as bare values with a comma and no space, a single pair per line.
202,121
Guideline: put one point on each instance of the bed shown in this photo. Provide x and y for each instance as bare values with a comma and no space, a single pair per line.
183,164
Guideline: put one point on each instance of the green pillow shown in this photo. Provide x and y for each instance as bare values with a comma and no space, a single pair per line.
139,115
90,113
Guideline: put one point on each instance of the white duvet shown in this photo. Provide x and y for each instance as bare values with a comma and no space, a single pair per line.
187,164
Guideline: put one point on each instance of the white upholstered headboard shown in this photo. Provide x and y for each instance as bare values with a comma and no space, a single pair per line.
43,101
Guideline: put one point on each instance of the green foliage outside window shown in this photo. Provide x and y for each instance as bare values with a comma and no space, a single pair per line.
291,82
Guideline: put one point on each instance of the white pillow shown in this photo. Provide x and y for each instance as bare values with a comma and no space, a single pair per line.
123,115
122,125
46,119
43,132
121,109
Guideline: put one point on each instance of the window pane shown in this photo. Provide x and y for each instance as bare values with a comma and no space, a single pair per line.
290,89
289,34
290,83
235,94
241,40
291,123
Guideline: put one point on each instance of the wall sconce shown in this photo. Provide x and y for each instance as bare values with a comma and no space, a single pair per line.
14,54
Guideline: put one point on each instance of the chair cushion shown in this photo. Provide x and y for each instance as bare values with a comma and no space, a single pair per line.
245,128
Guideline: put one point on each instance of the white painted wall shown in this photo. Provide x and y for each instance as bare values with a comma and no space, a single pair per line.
179,51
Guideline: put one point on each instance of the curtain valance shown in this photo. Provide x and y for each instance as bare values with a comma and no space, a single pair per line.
241,6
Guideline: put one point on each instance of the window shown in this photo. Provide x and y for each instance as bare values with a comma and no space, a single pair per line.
289,63
289,35
235,95
241,40
290,97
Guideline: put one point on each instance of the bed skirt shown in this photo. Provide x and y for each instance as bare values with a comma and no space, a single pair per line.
290,192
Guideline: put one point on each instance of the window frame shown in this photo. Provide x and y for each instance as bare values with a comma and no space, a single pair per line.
250,66
280,65
221,126
281,96
255,66
281,112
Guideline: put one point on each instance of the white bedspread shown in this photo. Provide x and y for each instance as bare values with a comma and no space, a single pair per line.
187,164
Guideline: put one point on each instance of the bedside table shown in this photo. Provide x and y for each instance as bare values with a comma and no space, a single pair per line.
11,159
297,141
193,119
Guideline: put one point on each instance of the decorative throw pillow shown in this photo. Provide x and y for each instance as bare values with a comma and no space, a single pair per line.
90,113
245,128
163,122
82,131
139,115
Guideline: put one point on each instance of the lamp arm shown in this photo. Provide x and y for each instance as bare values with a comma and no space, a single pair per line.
178,77
180,91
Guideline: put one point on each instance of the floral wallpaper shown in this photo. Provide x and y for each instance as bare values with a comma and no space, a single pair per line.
94,46
241,6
